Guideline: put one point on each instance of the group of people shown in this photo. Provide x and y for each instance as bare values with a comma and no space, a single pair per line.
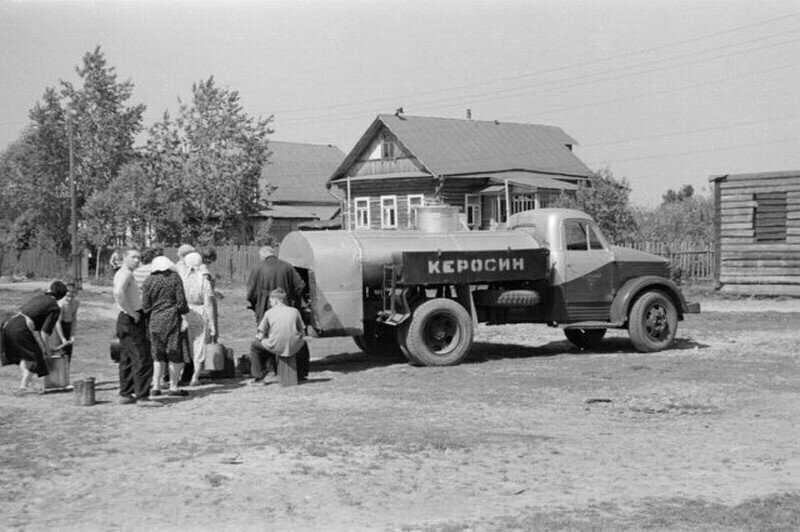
43,327
159,304
166,315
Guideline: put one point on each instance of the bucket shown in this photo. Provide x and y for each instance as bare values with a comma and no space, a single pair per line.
84,392
58,378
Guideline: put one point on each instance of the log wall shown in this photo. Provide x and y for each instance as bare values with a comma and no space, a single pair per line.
757,229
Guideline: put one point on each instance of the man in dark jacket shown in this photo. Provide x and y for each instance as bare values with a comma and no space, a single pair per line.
273,273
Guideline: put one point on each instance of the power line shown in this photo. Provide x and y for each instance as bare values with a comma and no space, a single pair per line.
752,73
546,71
690,131
559,84
695,152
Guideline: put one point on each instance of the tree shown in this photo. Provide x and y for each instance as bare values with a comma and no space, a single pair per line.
36,166
671,196
607,200
133,205
690,219
208,161
104,126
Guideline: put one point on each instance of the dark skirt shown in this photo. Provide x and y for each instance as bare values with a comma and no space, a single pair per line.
21,345
164,333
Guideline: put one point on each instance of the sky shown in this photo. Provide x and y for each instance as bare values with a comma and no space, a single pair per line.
662,92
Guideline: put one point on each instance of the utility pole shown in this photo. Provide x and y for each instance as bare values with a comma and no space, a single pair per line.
76,253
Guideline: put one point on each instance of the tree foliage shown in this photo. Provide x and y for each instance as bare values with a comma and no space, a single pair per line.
36,166
688,219
207,161
607,200
672,196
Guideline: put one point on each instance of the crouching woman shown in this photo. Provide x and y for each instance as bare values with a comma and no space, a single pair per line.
26,336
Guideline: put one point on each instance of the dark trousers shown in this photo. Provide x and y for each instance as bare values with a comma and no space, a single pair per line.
263,361
135,362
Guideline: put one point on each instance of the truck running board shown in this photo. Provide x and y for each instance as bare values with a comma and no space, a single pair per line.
591,325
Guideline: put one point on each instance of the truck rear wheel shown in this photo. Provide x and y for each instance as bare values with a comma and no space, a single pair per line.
585,338
439,334
653,322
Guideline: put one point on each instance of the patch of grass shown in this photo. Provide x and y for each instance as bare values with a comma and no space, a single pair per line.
777,512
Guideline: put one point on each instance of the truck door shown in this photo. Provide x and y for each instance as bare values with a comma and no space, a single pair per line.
588,289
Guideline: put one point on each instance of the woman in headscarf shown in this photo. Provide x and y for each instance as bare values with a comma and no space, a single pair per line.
164,302
201,317
26,335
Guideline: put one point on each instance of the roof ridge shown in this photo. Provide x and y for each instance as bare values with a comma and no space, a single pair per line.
492,121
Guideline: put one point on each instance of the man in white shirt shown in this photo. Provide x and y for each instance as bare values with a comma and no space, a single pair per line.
135,363
280,334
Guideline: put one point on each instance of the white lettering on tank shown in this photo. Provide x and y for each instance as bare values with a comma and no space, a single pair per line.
433,266
505,264
461,265
491,265
518,264
476,265
448,266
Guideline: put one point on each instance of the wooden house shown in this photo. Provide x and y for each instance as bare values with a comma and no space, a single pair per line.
295,179
757,232
482,167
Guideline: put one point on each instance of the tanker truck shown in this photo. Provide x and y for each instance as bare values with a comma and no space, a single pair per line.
423,292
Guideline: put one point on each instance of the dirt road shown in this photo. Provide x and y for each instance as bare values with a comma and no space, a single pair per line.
530,433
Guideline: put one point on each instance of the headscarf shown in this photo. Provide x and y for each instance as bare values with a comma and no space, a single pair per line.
184,250
193,260
161,264
57,289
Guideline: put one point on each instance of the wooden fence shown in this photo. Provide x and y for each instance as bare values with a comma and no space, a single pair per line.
696,261
234,263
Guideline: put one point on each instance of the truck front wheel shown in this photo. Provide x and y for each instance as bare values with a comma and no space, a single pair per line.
653,322
585,338
439,334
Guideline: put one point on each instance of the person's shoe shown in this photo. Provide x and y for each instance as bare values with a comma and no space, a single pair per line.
177,393
257,381
155,392
195,383
146,401
127,400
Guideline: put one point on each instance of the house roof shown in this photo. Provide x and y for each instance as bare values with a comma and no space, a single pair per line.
447,146
756,175
309,212
531,180
300,171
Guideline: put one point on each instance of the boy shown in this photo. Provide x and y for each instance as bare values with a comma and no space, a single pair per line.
68,320
280,334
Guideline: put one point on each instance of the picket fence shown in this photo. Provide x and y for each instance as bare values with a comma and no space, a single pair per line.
234,263
694,261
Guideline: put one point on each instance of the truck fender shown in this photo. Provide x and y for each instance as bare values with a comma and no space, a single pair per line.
632,288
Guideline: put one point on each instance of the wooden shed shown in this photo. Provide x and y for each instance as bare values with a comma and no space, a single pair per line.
757,232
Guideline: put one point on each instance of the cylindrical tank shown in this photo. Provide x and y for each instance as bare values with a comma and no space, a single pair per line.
344,255
437,219
342,263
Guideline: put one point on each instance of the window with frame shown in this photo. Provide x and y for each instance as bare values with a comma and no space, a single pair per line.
769,218
389,212
472,208
387,148
362,213
414,201
580,235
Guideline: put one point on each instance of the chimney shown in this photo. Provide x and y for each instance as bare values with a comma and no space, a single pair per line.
469,114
